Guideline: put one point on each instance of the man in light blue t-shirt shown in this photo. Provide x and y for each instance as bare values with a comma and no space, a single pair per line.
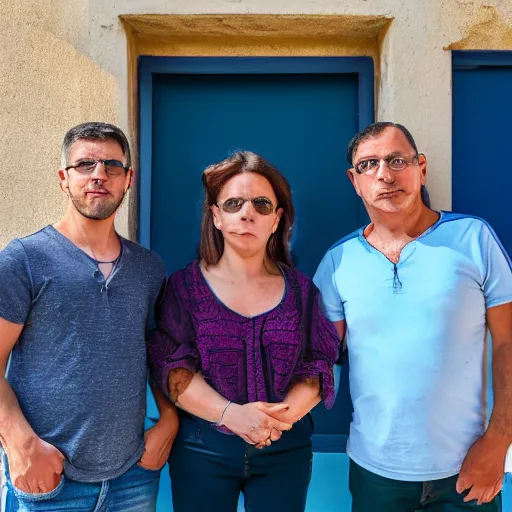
416,292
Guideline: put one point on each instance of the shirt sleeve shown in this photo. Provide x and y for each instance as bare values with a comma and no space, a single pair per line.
497,271
16,283
320,350
173,343
324,279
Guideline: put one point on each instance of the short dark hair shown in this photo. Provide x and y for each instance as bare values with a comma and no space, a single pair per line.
95,131
374,130
214,178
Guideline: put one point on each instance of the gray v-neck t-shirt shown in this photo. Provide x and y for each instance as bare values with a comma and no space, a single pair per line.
79,368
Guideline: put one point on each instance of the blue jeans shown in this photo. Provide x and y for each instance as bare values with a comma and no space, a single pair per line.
134,491
209,469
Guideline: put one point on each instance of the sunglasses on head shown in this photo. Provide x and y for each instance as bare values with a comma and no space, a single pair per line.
263,205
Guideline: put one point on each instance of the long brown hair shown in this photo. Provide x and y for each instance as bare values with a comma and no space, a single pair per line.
216,176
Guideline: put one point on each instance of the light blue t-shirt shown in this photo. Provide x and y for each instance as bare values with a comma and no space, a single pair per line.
415,338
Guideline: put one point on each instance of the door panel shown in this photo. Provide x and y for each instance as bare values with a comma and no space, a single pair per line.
482,177
301,123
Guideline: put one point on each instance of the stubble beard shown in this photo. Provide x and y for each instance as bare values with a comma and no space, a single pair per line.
101,212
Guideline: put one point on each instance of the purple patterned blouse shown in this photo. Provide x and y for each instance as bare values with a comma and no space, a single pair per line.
244,359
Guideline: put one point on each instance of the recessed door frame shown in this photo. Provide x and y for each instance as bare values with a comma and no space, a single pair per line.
462,59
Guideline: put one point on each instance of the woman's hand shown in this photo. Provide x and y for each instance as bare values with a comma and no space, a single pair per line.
302,397
254,423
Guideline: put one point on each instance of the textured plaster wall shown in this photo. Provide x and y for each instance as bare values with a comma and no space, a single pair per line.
47,84
65,62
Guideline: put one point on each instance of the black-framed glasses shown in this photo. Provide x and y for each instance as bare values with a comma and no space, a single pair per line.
263,205
112,167
393,161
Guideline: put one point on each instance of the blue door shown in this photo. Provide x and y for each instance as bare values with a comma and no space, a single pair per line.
297,113
482,110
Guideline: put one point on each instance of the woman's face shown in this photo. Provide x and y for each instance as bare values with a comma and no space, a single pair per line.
248,227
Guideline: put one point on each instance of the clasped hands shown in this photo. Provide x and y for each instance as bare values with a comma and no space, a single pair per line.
258,423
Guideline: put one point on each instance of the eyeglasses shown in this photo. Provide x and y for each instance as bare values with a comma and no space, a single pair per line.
112,167
263,205
394,162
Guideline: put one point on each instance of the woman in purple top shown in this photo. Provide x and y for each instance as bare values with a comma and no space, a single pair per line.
243,350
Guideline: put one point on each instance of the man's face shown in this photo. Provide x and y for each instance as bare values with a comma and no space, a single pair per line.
381,187
96,194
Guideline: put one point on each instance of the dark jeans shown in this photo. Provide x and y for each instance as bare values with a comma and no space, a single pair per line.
209,469
373,493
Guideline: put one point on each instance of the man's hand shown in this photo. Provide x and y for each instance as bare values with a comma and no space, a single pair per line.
37,468
483,468
158,441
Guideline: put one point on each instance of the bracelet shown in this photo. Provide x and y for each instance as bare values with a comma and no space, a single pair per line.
219,423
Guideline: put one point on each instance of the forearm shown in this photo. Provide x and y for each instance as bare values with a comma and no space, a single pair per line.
201,400
15,431
165,407
501,419
301,398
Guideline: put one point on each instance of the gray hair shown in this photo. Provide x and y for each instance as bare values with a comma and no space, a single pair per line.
95,131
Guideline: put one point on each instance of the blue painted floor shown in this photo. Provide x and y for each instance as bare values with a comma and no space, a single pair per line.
328,491
507,493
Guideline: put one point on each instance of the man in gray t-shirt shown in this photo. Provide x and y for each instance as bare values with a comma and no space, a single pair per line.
76,304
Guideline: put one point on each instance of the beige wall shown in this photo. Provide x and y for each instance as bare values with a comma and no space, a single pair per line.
64,62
